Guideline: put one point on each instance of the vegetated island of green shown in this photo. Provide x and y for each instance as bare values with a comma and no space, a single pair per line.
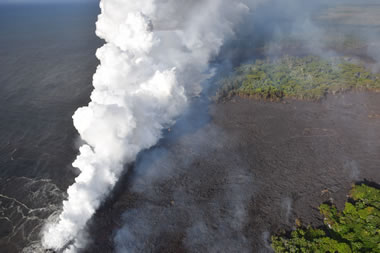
310,78
356,229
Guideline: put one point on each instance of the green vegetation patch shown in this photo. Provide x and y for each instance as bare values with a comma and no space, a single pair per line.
356,229
300,78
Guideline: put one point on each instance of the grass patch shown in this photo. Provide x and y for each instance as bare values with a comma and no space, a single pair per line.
310,78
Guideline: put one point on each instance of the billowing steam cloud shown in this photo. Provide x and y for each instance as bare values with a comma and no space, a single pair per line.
156,55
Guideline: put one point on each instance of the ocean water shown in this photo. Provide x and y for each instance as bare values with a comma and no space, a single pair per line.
47,59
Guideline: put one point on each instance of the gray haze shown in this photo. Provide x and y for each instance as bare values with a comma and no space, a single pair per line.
265,28
47,60
50,2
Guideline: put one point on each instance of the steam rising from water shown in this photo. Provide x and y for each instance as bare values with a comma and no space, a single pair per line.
156,55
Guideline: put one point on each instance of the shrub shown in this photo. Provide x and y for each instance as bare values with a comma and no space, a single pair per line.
355,229
301,78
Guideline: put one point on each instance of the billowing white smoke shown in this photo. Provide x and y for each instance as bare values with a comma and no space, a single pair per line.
156,54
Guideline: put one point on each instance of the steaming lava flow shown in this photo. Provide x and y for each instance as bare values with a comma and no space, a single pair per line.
254,168
141,86
226,176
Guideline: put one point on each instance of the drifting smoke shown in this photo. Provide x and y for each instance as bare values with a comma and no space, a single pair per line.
209,216
215,225
156,55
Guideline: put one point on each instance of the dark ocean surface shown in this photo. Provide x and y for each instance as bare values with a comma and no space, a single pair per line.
224,178
47,59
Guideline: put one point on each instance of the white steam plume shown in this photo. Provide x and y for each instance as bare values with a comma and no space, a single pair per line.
154,57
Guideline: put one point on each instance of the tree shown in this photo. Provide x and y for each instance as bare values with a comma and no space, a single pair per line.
356,229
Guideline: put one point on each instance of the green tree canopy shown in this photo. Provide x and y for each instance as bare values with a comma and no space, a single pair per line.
301,78
355,229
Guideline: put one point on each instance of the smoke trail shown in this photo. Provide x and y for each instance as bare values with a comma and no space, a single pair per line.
155,56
